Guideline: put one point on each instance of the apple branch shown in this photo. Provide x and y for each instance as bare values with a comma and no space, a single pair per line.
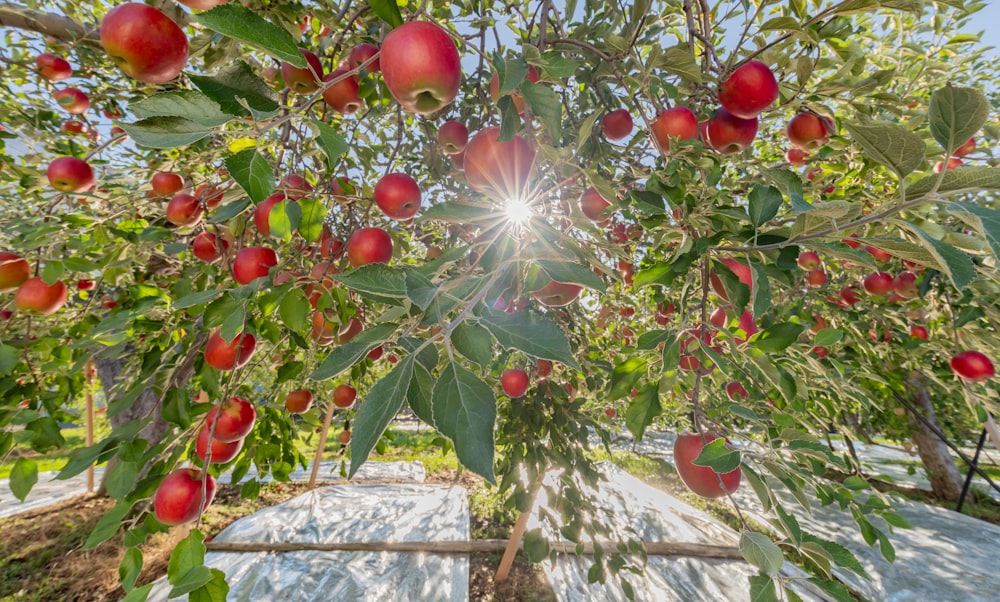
57,26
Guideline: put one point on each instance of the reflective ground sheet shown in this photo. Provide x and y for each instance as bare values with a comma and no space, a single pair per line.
349,514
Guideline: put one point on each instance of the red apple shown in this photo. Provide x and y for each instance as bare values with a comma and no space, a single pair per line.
227,356
14,271
208,247
816,278
953,163
678,122
398,196
52,67
262,213
543,368
973,366
348,331
514,383
303,80
184,210
369,245
918,332
69,174
617,124
144,43
166,183
905,285
179,500
375,354
796,156
222,452
344,437
453,136
610,412
343,95
820,351
557,294
299,401
749,90
593,205
735,390
879,255
360,54
500,170
72,100
73,126
294,186
966,148
741,270
235,420
718,317
209,195
848,296
35,296
252,263
730,134
807,131
421,67
808,260
344,396
701,479
85,285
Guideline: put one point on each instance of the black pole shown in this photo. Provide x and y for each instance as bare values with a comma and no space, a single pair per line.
968,477
937,431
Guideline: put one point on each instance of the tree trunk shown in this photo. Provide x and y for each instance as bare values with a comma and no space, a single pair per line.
946,482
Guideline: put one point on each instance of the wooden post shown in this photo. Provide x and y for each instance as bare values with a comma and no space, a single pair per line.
88,397
322,444
517,535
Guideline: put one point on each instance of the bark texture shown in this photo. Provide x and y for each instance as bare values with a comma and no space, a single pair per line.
946,481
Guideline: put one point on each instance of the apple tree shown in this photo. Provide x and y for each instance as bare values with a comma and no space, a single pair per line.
759,221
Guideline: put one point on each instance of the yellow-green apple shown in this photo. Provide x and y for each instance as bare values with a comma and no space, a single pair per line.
617,124
303,80
182,496
500,170
144,43
184,210
398,196
360,54
369,245
593,205
421,67
807,131
299,401
973,366
557,294
208,247
678,122
252,263
701,479
14,271
514,383
72,100
233,419
69,174
342,96
344,396
35,296
166,183
749,90
728,133
453,136
227,356
222,451
52,67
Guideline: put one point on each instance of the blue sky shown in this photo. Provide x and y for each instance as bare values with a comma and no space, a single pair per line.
988,21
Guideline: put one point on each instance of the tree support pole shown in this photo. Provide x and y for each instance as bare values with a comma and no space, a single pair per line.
88,398
972,472
514,544
322,443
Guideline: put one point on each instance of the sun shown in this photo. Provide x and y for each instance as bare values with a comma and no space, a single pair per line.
518,211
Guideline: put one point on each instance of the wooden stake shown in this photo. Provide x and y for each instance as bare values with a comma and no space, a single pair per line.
322,443
88,397
694,550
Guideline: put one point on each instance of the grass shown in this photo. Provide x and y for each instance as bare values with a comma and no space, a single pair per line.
76,438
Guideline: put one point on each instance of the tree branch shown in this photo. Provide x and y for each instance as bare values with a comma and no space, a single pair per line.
57,26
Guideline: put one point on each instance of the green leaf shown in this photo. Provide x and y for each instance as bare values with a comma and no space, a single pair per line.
625,376
419,394
763,205
856,483
388,11
510,120
791,525
139,594
828,336
983,220
536,546
779,336
107,526
762,589
23,477
465,411
129,568
345,356
892,145
572,273
251,171
188,554
295,311
456,212
197,298
313,214
642,409
841,556
473,342
240,23
235,84
121,479
229,211
330,140
376,279
970,178
196,577
510,73
717,456
760,291
956,114
216,590
283,219
8,359
681,62
189,104
166,132
535,335
954,263
547,106
379,407
760,551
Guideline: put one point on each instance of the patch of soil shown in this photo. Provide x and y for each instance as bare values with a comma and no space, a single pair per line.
526,582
